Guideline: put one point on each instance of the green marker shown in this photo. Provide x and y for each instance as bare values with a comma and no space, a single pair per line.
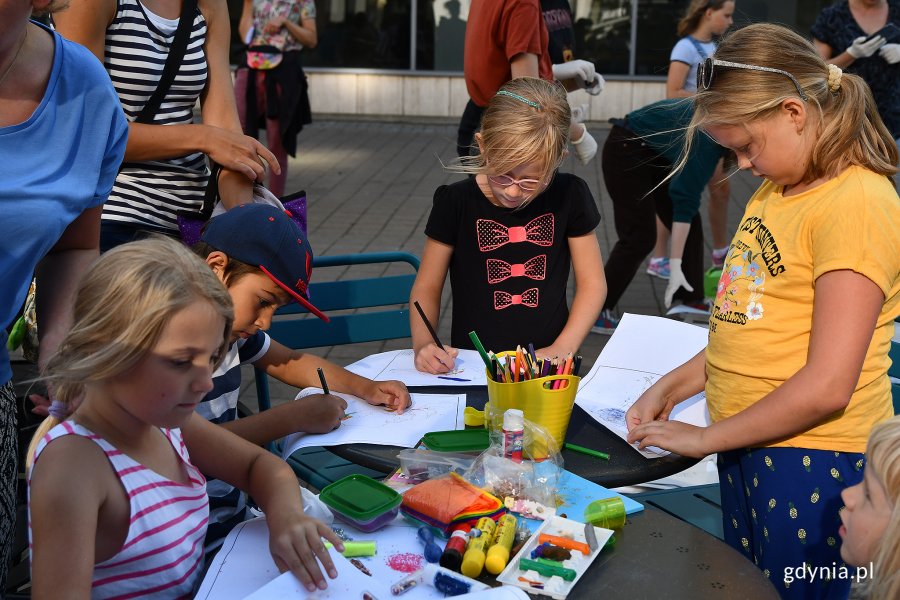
351,549
588,451
487,361
547,570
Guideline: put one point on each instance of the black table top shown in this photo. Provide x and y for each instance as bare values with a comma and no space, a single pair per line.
625,467
659,556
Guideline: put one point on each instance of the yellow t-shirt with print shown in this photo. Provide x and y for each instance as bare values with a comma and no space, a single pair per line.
760,325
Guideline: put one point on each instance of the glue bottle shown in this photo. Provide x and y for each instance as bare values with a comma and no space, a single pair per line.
456,547
473,559
513,433
498,553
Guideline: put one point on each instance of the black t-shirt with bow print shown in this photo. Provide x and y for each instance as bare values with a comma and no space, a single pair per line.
509,268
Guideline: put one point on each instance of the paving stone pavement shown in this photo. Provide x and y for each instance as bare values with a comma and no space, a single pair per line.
369,186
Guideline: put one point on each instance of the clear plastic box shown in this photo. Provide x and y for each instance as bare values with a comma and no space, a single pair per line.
418,464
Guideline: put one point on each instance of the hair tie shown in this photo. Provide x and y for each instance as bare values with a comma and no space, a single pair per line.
834,77
59,410
530,103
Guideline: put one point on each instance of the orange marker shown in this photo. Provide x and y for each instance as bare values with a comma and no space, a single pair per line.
568,544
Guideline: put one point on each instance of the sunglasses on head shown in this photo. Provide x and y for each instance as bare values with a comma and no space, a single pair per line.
705,73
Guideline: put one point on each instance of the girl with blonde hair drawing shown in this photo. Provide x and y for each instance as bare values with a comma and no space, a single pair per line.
795,371
134,450
508,235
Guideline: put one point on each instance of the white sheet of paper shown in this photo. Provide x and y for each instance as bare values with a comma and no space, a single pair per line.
367,424
400,365
244,566
641,350
350,584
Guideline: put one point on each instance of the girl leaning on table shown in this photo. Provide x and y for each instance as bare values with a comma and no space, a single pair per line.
117,502
795,371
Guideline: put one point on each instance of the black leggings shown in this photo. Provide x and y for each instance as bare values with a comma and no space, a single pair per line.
631,170
468,125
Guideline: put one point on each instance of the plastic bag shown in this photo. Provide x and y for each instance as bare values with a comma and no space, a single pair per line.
528,487
446,502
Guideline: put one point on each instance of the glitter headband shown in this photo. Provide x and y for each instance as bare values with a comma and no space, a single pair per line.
834,77
530,103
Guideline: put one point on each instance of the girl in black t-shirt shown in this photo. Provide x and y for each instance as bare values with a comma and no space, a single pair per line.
508,235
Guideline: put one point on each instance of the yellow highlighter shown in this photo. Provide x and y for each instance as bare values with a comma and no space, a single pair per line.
498,553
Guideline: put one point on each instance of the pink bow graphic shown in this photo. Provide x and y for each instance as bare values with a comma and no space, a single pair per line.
533,268
492,235
527,298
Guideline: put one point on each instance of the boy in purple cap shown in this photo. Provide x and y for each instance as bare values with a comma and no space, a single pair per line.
264,259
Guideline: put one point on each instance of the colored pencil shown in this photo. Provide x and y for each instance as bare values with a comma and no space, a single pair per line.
587,451
322,379
431,330
474,337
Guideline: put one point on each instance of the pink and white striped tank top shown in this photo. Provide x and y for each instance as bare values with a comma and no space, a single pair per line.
162,556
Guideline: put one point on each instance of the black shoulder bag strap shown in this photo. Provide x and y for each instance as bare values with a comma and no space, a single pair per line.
173,61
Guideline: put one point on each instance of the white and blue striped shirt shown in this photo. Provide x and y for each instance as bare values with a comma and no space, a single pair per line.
151,193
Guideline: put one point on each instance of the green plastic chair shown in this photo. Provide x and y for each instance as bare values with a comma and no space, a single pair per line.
380,312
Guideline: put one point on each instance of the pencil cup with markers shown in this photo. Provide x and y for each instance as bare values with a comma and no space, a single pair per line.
546,401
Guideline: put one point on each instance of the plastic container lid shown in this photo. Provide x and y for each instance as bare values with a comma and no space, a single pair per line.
462,440
359,497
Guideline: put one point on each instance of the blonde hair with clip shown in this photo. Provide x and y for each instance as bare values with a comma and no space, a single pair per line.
122,305
694,14
514,132
883,458
841,110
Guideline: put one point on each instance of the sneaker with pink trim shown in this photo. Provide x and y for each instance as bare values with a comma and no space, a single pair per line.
659,267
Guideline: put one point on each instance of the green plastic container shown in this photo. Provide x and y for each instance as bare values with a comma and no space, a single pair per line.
462,440
362,502
711,281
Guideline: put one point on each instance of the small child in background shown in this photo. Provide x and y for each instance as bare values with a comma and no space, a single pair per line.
870,534
703,21
795,371
264,259
508,235
117,500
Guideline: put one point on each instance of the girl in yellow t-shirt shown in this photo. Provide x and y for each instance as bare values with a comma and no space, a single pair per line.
795,371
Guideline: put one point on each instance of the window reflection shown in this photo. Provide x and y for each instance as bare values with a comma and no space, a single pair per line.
371,34
375,34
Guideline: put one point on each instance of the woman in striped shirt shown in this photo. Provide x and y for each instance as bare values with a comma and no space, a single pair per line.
117,507
165,168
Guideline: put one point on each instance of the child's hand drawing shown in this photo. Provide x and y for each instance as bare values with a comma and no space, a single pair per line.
318,413
433,359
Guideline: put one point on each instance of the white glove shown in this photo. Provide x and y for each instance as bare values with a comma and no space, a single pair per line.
890,53
676,280
596,86
585,147
860,48
581,69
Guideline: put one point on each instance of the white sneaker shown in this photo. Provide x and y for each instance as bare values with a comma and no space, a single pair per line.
585,147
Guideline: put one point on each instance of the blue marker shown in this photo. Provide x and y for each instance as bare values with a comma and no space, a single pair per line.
452,378
432,551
